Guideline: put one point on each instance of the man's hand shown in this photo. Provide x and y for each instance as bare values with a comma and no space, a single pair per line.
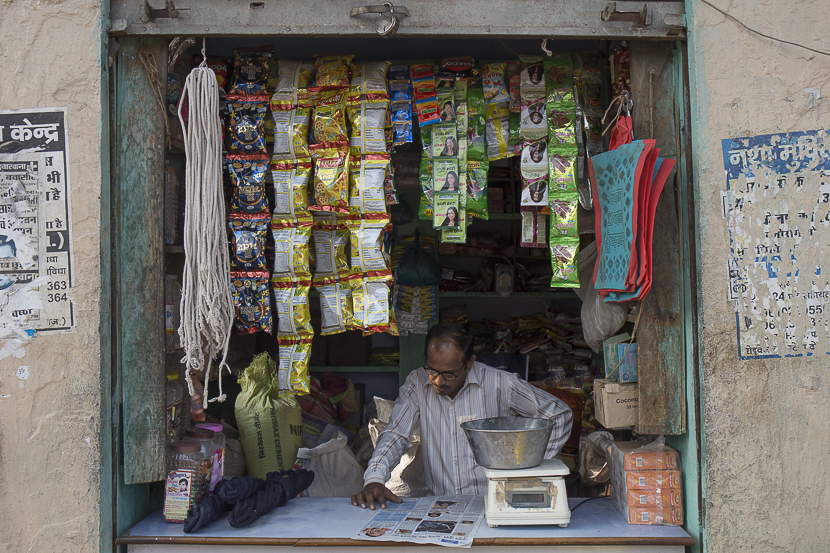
374,491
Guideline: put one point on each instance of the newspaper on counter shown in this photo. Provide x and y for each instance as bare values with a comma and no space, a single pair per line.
449,520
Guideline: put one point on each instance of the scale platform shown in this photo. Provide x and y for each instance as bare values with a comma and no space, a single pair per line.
528,496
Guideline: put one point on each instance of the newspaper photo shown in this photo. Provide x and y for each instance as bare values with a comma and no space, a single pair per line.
450,520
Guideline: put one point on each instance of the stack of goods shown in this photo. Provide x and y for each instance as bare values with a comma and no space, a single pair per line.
385,357
627,184
332,182
645,483
415,306
415,292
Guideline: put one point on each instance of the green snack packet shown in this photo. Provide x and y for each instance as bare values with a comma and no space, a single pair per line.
425,180
562,171
459,235
426,139
563,217
445,175
559,76
514,137
564,260
476,123
562,124
446,214
444,140
477,189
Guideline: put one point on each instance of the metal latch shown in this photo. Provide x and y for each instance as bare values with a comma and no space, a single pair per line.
641,17
150,14
388,18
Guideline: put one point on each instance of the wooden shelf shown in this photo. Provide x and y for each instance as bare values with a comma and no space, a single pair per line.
357,369
563,293
503,216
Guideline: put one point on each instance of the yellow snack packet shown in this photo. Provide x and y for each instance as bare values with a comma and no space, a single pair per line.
331,178
332,72
366,183
367,246
368,77
291,306
293,80
367,116
291,249
330,240
290,179
329,121
294,355
291,133
335,305
370,303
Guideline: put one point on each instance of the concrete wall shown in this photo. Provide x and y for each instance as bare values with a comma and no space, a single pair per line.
50,449
767,422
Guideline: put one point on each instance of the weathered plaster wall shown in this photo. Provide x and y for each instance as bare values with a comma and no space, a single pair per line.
49,421
767,423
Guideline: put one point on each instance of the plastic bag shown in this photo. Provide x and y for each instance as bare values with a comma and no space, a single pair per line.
600,320
336,470
417,267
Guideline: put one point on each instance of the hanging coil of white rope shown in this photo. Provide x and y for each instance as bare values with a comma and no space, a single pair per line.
206,305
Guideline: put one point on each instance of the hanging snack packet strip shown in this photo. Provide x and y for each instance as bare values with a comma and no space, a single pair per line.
293,80
366,183
245,127
294,356
564,260
330,240
329,121
367,246
250,73
391,195
291,305
446,211
562,169
335,305
331,177
290,180
367,116
251,301
477,189
290,132
563,217
426,100
291,249
534,171
248,232
476,122
498,131
370,301
560,107
368,77
459,235
492,77
400,95
248,177
332,72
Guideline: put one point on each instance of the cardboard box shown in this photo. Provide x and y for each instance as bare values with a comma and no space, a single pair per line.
614,350
616,404
633,457
652,479
655,515
650,498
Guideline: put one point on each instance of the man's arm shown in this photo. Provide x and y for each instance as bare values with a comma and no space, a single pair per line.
528,401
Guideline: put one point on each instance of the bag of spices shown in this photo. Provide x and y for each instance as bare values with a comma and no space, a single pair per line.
367,116
330,240
367,175
335,305
248,232
290,180
293,80
245,127
248,177
291,133
331,178
294,355
291,306
291,249
332,72
251,301
367,245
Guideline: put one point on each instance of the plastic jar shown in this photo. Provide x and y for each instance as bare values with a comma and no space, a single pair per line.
218,472
175,396
205,439
185,484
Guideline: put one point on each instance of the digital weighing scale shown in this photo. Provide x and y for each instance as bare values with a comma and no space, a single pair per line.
528,496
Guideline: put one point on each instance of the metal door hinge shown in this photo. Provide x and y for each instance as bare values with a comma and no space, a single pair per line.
641,17
169,11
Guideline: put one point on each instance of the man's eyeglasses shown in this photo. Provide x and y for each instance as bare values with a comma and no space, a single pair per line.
448,376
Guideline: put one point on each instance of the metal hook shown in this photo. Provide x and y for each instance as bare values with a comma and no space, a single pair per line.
545,47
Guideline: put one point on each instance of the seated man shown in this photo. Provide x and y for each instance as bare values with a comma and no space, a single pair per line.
450,389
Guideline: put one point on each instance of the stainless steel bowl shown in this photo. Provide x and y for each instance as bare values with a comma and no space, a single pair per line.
508,442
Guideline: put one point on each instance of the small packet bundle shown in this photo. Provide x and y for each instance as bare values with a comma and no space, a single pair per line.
534,230
563,217
476,123
290,133
370,303
445,175
560,104
446,103
291,306
291,249
329,121
426,100
446,211
290,180
564,259
443,141
248,232
332,72
425,180
251,301
459,235
492,77
246,127
247,175
331,177
562,125
562,170
476,203
534,171
367,116
389,191
533,122
532,77
367,177
294,356
367,246
368,77
250,72
293,80
330,241
335,305
400,96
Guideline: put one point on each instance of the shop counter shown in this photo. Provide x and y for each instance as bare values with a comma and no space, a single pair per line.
329,523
